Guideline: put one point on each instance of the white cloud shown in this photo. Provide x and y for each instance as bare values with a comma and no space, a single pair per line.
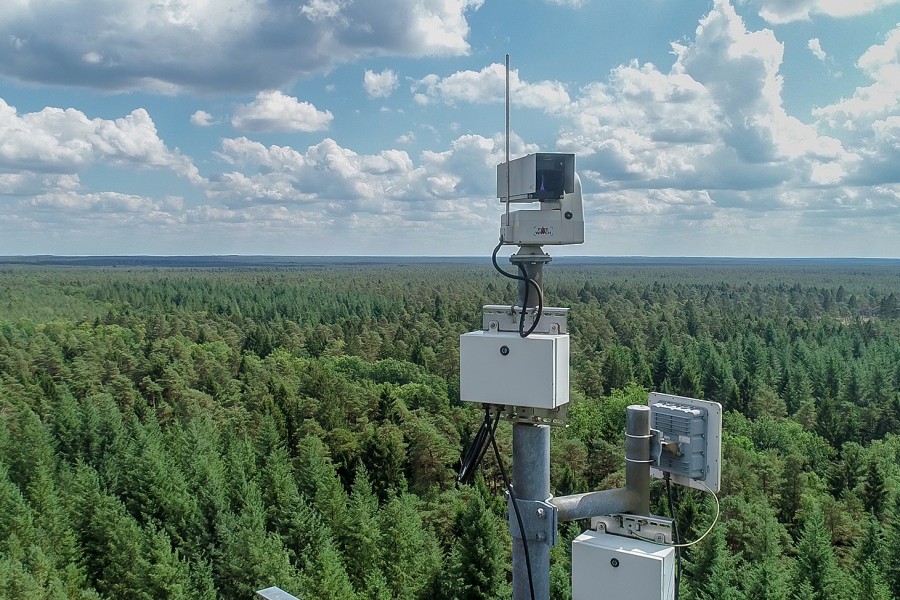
786,11
816,48
111,203
337,186
489,85
30,183
338,196
380,85
867,122
54,140
173,45
93,58
321,10
274,111
715,121
201,118
881,63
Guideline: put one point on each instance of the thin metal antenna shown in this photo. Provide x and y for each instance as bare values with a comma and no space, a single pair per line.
507,137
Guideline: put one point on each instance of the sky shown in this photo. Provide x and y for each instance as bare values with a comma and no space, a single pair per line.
747,128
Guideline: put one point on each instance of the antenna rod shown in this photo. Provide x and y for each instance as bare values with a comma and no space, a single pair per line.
507,139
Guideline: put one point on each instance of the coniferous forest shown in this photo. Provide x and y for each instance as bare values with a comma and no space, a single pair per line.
204,433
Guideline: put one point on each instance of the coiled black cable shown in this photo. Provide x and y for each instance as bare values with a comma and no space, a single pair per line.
529,282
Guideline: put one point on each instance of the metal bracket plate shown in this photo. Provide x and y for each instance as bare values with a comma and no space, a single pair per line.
496,318
652,528
555,417
538,518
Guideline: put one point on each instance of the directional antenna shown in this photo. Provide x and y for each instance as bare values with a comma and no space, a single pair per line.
686,440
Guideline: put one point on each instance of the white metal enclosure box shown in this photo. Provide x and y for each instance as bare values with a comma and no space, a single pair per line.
613,567
505,368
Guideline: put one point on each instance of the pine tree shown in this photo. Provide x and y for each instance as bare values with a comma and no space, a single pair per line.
411,558
710,573
482,559
361,538
325,577
766,575
892,548
252,558
317,479
816,564
872,585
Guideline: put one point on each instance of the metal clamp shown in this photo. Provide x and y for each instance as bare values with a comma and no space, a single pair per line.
555,417
497,318
653,528
539,519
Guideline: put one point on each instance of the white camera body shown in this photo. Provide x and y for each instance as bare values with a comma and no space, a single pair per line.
548,178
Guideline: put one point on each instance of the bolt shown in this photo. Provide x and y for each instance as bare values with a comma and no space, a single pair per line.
541,536
540,513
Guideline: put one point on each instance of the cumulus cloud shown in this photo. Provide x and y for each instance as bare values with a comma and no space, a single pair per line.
201,118
714,121
275,111
55,140
489,85
337,186
867,122
334,193
172,45
881,63
380,85
816,48
786,11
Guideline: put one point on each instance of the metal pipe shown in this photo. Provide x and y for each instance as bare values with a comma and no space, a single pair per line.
532,259
634,498
593,504
531,481
535,272
637,456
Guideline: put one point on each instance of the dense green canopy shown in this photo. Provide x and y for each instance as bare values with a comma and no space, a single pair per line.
203,433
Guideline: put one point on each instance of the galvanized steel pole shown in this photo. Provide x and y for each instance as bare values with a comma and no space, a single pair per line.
531,481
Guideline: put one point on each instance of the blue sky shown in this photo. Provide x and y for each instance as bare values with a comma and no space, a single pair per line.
357,127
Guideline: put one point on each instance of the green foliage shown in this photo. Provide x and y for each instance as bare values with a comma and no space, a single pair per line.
478,562
204,433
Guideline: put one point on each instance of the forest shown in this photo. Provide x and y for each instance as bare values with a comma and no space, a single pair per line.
184,432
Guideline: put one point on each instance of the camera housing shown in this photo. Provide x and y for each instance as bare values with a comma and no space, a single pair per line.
550,179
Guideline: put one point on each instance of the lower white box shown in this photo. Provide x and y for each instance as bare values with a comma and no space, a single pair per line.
613,567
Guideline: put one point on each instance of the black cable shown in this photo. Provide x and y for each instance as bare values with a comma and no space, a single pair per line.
515,504
479,447
540,310
472,458
528,283
490,432
677,537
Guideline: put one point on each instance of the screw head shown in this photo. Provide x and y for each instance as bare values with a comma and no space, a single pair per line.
504,350
614,562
